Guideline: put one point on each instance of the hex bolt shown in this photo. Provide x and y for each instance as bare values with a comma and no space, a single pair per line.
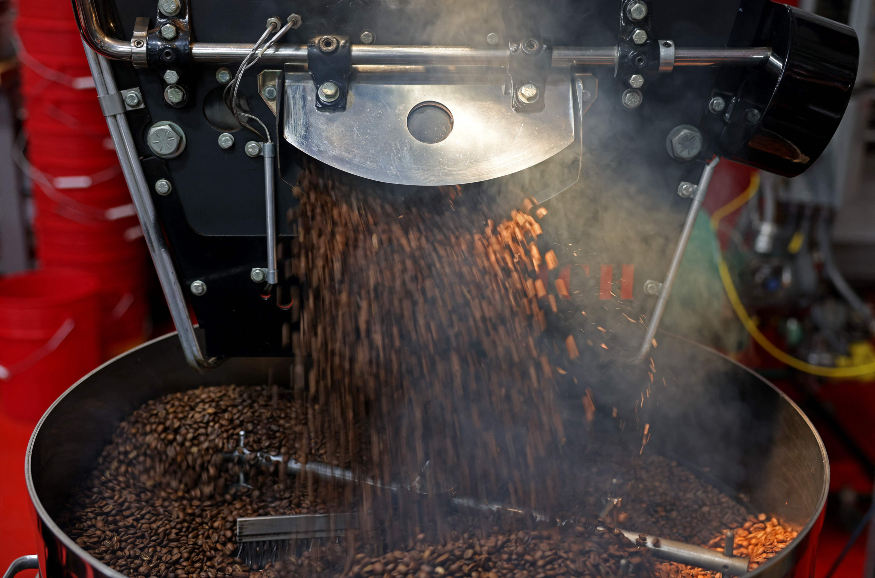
717,105
223,75
163,187
294,20
586,95
163,140
636,81
257,275
639,37
169,7
269,92
752,116
226,140
492,39
253,148
687,190
632,98
636,11
528,93
133,99
198,288
684,143
171,77
652,287
168,32
368,37
329,92
174,94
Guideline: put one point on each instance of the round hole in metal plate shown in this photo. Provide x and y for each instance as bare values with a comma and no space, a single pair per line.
430,122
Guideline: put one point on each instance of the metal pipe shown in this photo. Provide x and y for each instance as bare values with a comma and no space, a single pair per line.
721,56
94,35
676,259
129,160
269,151
691,555
21,564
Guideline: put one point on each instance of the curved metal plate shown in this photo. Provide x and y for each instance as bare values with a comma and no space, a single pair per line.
370,139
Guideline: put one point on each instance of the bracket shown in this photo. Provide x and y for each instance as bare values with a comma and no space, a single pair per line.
329,60
528,64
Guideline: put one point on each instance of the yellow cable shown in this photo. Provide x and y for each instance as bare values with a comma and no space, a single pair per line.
749,324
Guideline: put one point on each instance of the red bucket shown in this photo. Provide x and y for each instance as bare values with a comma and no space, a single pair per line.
68,116
47,39
65,80
46,9
49,337
107,195
47,142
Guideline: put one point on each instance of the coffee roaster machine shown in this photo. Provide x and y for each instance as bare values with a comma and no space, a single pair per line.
214,107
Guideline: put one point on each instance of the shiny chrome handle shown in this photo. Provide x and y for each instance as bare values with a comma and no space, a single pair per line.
21,564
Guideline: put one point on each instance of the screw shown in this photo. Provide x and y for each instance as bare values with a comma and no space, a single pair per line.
328,44
492,39
632,98
253,148
717,105
168,32
684,143
269,92
639,36
223,75
226,140
585,95
329,92
257,275
133,99
163,187
752,116
368,37
198,288
174,94
294,20
528,93
636,11
163,140
636,81
652,287
687,190
171,77
169,7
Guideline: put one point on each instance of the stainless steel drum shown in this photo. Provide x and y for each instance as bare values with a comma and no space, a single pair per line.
724,420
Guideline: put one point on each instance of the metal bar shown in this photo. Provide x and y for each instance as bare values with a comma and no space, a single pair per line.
21,564
676,259
136,180
302,526
691,555
94,35
721,56
269,152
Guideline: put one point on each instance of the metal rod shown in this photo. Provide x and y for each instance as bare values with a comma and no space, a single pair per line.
676,259
136,180
691,555
269,152
21,564
721,56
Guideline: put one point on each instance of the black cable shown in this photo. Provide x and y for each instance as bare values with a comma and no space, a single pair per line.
851,541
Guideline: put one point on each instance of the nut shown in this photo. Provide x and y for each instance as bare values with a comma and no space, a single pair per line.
492,39
223,75
528,93
685,143
198,288
253,148
169,7
329,92
257,275
269,92
636,81
163,140
328,44
133,99
687,190
168,32
639,36
752,116
632,98
652,287
226,140
171,77
174,94
163,187
585,95
636,11
368,37
294,20
717,105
